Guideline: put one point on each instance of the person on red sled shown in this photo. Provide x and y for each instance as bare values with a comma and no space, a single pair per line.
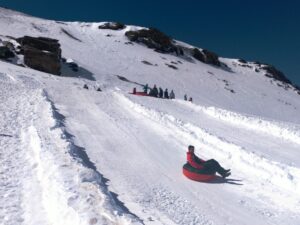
210,166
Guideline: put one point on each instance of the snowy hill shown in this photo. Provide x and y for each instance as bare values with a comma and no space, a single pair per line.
71,155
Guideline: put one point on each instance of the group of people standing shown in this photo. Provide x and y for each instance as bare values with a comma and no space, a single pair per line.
159,92
186,98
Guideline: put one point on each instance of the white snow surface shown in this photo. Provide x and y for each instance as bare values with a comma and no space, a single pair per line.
70,155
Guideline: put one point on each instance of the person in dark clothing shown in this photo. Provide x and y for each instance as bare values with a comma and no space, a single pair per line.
160,92
166,94
172,95
210,166
154,92
145,88
185,97
191,99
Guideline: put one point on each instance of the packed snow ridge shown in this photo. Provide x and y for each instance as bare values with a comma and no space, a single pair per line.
80,149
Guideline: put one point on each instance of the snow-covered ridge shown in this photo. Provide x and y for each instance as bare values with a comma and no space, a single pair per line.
290,132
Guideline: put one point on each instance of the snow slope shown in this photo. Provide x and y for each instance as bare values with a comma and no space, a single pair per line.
75,156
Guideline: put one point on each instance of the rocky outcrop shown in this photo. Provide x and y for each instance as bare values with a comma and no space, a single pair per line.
41,53
152,38
206,56
112,26
160,42
276,74
6,53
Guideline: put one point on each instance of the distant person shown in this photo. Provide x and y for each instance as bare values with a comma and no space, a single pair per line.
160,92
191,99
85,86
154,91
172,95
210,166
134,91
166,93
185,97
145,88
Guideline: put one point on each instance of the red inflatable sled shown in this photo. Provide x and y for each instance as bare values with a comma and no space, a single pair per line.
197,174
140,93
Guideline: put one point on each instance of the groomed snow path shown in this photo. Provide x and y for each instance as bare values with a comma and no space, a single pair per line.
43,179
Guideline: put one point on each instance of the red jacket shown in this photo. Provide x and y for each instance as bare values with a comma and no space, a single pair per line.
194,161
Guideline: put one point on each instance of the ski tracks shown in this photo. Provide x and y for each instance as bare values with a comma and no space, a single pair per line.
13,166
269,182
41,181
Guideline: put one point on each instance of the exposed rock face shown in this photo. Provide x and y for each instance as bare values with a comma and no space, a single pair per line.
272,72
41,53
152,38
276,74
6,53
206,56
242,61
112,26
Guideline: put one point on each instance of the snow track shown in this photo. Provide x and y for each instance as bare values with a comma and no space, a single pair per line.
267,180
41,181
13,166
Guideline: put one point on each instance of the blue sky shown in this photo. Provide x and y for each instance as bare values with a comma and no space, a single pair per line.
266,31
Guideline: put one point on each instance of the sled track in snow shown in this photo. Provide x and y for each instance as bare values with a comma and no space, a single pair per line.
266,177
281,130
42,182
75,189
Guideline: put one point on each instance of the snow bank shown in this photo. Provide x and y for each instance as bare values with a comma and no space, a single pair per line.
285,131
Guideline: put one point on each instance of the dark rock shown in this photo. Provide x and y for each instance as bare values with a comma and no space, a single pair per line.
85,86
152,38
211,58
41,53
73,66
172,66
99,89
268,75
197,54
6,53
112,26
43,61
41,43
9,45
147,63
242,61
206,56
276,74
128,43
